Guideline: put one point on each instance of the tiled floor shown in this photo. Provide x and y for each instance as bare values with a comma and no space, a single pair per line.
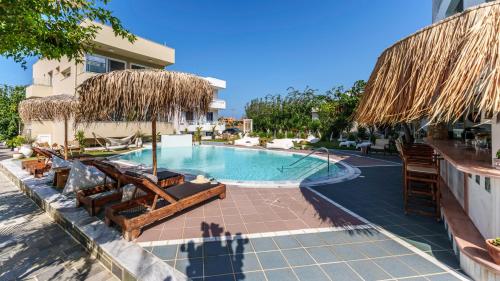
379,199
252,210
332,255
34,247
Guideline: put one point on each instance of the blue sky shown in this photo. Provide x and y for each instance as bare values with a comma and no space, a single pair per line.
263,47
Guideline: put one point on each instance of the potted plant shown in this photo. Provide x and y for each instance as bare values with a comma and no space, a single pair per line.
26,143
496,161
493,246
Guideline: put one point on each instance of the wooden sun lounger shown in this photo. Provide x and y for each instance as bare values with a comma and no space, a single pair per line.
94,199
158,204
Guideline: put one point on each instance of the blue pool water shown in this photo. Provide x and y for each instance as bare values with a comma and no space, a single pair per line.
238,164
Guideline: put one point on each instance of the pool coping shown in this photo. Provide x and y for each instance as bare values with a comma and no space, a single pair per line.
352,172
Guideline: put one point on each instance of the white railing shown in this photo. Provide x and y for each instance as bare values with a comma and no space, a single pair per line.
218,104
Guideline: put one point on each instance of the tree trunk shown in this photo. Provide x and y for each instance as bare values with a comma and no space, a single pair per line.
408,136
65,139
153,132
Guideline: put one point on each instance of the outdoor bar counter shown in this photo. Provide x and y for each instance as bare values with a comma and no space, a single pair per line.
470,204
466,159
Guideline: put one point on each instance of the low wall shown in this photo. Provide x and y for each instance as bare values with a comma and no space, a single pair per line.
126,260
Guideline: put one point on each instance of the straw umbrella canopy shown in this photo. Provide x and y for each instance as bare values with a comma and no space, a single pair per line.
56,107
440,72
142,95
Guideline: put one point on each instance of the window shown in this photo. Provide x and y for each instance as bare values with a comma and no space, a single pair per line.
66,73
136,66
189,116
210,116
115,65
50,78
95,64
100,64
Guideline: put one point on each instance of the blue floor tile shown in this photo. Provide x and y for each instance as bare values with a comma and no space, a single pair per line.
245,262
420,264
165,252
310,273
322,254
251,276
190,267
395,267
280,275
215,248
286,242
270,260
310,240
263,244
217,265
296,257
227,277
340,271
347,252
368,270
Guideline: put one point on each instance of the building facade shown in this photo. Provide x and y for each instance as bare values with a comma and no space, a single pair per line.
54,77
444,8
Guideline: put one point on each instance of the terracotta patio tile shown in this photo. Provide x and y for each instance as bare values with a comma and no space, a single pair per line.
174,222
214,220
149,235
256,227
295,224
252,218
236,229
235,219
275,225
193,222
230,211
213,212
192,232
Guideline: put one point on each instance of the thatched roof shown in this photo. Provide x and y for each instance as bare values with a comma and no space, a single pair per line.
440,72
57,107
136,95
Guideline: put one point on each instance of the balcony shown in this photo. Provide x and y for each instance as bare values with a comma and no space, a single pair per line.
40,87
218,104
206,126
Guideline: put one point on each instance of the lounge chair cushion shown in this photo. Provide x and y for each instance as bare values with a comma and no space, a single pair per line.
161,174
82,177
103,194
187,189
128,191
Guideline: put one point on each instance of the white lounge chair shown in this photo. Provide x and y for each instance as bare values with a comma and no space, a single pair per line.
312,139
280,143
247,141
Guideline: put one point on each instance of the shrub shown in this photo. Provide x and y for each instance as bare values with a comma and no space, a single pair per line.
351,137
80,138
498,154
15,142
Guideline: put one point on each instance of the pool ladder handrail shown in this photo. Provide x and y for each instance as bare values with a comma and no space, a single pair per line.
308,155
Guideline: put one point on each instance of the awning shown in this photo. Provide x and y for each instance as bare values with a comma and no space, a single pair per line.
440,72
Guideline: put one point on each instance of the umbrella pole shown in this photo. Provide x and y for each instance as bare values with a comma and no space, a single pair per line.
153,132
65,139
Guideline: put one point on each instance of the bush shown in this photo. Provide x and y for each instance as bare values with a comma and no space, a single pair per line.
15,141
80,138
351,137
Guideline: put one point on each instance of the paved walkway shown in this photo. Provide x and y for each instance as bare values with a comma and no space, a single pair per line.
34,247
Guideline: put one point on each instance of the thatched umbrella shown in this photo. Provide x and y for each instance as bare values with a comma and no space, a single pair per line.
440,72
57,107
142,95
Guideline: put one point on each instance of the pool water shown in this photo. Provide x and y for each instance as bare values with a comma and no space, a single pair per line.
238,164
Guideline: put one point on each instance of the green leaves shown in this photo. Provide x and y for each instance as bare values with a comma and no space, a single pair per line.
52,29
9,117
294,111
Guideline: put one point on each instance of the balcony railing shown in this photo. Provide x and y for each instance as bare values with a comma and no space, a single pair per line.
218,104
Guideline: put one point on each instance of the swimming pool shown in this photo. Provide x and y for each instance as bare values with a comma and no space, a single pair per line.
242,166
